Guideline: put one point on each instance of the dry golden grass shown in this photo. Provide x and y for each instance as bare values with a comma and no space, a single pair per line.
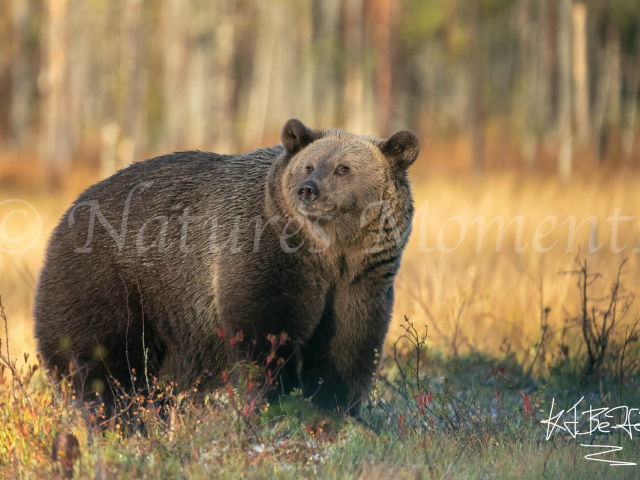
496,296
490,296
20,178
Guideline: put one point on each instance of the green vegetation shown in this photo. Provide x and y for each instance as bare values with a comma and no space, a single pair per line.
428,416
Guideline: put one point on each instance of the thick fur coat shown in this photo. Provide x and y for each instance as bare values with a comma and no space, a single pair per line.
303,238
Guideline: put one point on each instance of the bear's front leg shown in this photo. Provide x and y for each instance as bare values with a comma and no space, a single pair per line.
339,360
278,364
276,355
275,313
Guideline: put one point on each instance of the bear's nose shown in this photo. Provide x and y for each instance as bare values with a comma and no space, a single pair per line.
308,191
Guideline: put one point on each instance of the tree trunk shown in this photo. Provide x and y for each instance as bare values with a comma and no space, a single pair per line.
606,110
105,33
615,91
133,112
283,90
476,86
256,119
306,108
55,148
381,38
581,72
200,18
354,84
21,77
224,83
175,64
327,13
79,57
545,65
565,158
631,107
530,61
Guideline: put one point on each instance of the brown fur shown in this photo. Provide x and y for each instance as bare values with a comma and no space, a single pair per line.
327,281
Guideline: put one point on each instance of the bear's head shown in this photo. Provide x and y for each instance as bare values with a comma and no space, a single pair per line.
336,175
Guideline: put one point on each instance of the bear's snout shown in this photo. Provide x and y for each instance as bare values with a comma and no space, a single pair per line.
308,191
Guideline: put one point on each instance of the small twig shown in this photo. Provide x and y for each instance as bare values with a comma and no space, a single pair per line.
628,339
7,361
126,336
144,349
455,332
6,327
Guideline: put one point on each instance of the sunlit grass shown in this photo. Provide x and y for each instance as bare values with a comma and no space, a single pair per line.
493,297
496,297
483,312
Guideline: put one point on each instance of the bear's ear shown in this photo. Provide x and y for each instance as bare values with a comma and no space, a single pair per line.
401,150
295,136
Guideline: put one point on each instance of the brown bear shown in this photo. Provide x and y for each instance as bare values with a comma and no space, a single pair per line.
303,238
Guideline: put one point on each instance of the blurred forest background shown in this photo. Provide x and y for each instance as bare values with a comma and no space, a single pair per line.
539,95
503,83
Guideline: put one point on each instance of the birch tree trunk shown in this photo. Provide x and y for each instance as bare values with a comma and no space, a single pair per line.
79,57
21,77
565,130
134,120
381,41
545,65
354,81
55,148
581,72
282,97
201,16
256,118
306,63
175,65
105,31
223,74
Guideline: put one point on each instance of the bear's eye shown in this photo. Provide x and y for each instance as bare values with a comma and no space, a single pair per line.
309,170
342,170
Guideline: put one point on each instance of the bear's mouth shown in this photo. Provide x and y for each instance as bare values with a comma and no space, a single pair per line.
316,210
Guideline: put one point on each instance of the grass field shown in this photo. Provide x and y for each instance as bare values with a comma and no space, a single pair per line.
501,345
